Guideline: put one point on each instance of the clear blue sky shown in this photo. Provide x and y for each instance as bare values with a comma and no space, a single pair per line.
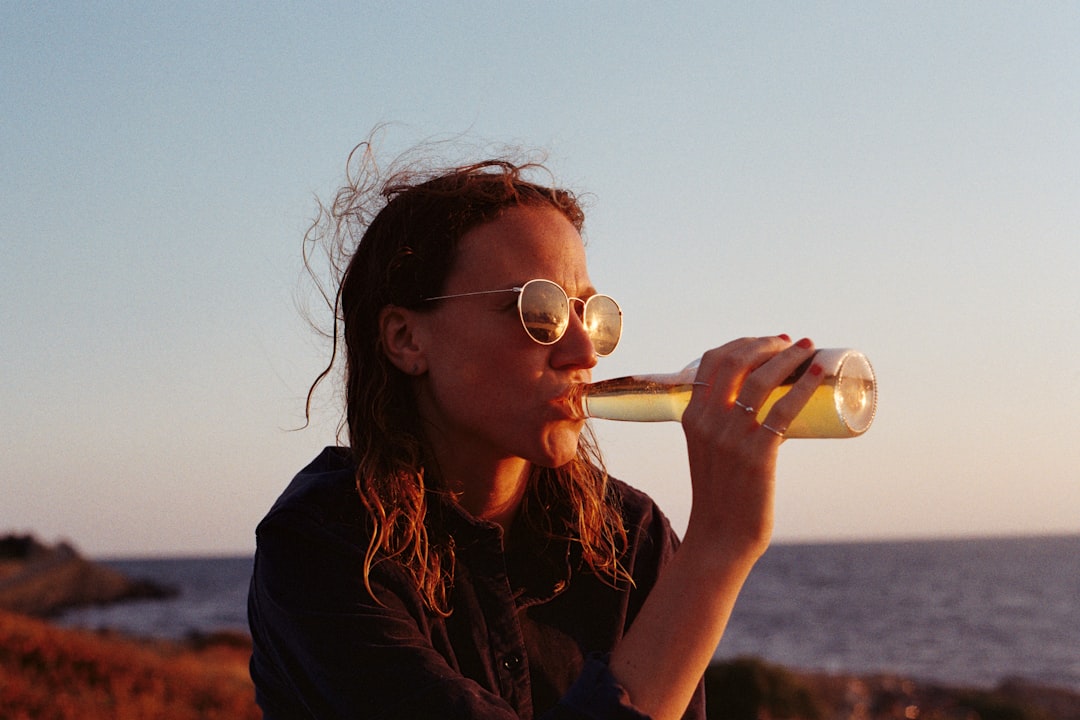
899,177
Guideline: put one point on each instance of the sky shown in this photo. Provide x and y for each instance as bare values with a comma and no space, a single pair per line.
901,178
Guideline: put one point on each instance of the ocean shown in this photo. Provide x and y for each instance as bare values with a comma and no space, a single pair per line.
970,612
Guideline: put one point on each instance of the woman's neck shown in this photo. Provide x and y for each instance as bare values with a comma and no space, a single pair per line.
495,495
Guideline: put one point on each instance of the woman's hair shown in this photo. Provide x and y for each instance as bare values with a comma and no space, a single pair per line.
392,241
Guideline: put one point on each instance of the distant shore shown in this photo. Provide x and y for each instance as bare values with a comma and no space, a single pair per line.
43,580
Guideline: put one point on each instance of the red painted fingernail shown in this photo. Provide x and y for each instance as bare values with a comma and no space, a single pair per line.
804,343
815,369
785,337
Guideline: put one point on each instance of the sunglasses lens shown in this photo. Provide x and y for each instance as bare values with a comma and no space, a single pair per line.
603,321
545,311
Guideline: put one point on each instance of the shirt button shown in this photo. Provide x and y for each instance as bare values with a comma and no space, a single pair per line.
511,662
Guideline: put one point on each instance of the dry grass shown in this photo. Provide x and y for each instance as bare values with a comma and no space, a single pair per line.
50,673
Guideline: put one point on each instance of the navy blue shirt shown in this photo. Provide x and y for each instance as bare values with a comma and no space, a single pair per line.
528,635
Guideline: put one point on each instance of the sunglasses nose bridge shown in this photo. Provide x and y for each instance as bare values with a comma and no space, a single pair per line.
577,307
578,330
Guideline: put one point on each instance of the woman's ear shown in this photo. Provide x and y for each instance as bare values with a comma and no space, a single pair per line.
398,329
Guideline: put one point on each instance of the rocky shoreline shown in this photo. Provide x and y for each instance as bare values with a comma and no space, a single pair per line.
42,580
750,689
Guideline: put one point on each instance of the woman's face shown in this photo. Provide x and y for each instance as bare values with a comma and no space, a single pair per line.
491,393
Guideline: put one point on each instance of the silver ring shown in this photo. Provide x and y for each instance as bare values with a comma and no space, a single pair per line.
774,431
747,408
702,384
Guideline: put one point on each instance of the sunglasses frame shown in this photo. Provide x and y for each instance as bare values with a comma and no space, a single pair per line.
520,290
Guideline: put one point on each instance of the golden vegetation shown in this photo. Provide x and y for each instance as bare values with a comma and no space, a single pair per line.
50,673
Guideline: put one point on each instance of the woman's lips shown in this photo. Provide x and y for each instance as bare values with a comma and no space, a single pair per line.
569,402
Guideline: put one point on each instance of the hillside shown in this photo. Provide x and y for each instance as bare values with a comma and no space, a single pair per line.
41,580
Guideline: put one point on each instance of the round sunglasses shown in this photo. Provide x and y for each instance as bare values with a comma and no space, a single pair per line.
544,309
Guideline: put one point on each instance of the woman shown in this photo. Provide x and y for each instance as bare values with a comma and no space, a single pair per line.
467,556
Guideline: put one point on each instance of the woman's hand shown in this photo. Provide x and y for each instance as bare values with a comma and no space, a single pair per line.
733,456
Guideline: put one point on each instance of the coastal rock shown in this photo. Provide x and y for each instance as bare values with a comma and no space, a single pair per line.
751,689
41,580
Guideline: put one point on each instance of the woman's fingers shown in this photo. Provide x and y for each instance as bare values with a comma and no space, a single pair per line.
785,410
759,386
726,368
741,376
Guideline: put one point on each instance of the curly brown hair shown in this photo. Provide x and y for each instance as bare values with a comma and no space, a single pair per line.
392,241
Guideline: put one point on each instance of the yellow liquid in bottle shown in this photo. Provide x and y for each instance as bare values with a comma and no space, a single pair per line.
842,406
640,399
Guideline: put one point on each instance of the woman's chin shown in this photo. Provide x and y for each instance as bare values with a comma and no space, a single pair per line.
561,449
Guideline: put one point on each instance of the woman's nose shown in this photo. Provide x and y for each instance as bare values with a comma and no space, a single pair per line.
575,348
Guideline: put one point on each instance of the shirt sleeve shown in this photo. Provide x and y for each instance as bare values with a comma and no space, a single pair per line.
324,649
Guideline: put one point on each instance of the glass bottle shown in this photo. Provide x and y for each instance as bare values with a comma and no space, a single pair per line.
842,406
